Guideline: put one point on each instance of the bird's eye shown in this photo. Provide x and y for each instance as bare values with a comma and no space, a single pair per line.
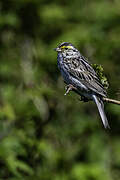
65,48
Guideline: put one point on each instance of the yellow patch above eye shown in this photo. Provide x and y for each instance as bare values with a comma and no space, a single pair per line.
66,47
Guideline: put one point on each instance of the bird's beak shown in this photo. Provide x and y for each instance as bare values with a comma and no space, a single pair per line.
57,49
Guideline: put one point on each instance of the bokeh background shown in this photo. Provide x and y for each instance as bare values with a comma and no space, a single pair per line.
43,134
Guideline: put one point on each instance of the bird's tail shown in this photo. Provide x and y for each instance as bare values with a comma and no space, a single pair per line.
100,106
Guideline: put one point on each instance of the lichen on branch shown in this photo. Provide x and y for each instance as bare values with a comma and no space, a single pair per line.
100,72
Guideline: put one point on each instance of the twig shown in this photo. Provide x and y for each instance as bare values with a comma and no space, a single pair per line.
111,101
70,88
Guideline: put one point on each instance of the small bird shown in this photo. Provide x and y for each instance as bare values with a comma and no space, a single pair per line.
80,76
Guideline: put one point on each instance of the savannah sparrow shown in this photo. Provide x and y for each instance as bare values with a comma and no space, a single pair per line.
80,76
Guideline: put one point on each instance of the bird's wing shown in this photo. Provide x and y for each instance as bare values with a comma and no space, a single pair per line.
81,69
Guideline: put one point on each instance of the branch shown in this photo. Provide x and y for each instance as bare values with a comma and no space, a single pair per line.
72,88
111,101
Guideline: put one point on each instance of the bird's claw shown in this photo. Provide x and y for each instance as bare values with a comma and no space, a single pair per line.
84,99
69,88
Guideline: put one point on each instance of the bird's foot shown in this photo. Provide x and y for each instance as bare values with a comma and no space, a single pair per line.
69,88
84,99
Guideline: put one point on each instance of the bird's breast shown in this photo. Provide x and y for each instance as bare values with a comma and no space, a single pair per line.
65,74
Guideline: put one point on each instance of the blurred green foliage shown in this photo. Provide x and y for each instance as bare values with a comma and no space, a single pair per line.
43,136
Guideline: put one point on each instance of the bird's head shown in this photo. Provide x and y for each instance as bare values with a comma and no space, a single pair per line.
65,47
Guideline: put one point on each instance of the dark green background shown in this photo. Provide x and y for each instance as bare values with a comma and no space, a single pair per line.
45,135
